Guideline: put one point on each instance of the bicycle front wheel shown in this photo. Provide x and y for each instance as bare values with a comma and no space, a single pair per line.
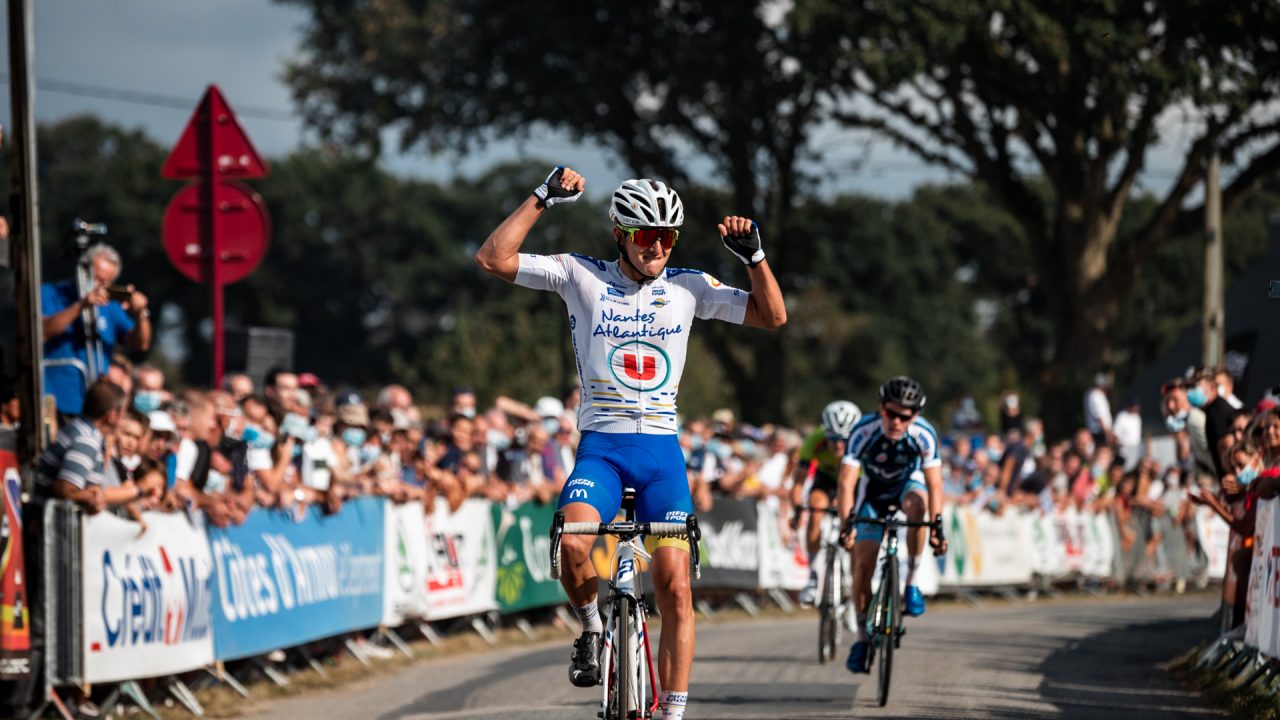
828,622
623,656
887,627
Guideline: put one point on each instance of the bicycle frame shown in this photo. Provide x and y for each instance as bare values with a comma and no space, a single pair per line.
626,637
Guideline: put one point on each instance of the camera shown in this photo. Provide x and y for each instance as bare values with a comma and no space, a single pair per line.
83,232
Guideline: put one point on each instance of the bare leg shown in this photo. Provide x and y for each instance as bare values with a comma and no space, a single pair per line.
577,572
670,573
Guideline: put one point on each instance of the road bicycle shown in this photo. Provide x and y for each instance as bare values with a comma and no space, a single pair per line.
884,621
833,595
630,683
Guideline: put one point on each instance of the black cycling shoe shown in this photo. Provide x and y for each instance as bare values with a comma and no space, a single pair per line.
584,670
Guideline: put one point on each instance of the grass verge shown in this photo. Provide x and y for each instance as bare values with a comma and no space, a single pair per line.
1248,703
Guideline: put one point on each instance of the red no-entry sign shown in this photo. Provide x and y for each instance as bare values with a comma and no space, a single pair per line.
216,231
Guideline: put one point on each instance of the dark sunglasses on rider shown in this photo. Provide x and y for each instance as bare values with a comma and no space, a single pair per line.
645,237
904,417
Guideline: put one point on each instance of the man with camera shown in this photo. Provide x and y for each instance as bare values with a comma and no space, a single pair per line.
120,315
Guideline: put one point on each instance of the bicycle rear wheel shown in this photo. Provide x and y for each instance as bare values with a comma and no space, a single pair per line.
886,629
623,655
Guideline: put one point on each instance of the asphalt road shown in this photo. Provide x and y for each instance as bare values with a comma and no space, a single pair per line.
1050,659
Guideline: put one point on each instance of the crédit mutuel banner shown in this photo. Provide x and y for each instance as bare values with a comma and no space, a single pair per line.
147,597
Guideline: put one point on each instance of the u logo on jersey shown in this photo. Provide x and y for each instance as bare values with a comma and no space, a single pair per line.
639,365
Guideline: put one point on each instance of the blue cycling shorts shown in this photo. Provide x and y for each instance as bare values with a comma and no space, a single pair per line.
873,500
652,464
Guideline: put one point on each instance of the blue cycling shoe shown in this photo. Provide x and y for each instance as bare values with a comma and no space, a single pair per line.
915,601
857,661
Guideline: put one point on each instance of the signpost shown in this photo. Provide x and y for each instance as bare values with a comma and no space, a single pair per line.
216,230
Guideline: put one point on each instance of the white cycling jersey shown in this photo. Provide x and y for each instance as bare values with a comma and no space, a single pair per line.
630,338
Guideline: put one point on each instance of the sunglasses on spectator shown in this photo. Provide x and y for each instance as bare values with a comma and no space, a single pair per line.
904,417
645,237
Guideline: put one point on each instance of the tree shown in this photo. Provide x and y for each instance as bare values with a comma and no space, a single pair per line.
656,82
1054,108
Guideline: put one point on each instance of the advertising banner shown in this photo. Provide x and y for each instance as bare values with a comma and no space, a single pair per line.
730,545
147,597
461,563
15,618
1262,608
1215,540
524,558
986,549
404,593
783,564
280,583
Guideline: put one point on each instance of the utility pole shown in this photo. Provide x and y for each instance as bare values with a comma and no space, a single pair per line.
1214,316
24,247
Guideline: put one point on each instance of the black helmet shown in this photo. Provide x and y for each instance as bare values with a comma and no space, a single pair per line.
903,391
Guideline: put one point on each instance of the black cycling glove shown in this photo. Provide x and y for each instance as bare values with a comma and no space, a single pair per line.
746,247
550,192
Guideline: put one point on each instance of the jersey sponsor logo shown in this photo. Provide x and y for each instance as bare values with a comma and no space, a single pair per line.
882,458
659,291
615,291
714,282
640,365
677,516
605,298
578,494
634,325
583,482
659,302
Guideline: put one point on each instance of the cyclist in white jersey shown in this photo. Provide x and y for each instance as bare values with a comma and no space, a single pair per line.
629,320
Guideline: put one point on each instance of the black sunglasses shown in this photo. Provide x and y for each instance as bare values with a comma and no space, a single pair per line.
905,417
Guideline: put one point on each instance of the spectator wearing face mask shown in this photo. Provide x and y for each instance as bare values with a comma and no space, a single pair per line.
148,389
1181,417
1226,383
1202,392
462,402
557,451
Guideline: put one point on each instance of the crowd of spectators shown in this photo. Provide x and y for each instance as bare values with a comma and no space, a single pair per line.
131,442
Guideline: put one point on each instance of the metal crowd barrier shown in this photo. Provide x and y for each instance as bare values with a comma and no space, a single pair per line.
63,599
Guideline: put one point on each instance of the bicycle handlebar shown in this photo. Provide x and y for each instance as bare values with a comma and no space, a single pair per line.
627,529
893,523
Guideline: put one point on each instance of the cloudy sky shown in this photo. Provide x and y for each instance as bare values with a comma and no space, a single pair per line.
145,63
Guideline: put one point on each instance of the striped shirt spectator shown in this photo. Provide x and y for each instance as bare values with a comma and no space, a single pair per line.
72,467
75,457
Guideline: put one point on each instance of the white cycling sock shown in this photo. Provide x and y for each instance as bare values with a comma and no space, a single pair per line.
913,562
862,625
589,615
673,705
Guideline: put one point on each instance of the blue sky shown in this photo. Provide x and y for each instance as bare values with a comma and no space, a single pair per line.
173,49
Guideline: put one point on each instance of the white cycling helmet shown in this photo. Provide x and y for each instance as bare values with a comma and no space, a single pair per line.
839,417
646,203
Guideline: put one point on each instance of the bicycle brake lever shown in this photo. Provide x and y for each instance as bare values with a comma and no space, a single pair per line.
557,529
695,536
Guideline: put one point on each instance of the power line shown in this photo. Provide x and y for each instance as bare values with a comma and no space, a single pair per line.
160,100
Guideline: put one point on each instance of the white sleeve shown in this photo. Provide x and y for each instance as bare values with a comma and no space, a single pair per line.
853,449
1100,408
544,272
929,455
717,301
258,459
186,463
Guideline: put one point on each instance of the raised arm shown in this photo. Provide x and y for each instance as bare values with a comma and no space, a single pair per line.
500,254
765,307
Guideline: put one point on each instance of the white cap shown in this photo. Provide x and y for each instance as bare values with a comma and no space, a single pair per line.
548,406
162,421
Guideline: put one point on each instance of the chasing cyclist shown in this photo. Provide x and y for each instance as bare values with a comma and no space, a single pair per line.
629,321
820,458
884,454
